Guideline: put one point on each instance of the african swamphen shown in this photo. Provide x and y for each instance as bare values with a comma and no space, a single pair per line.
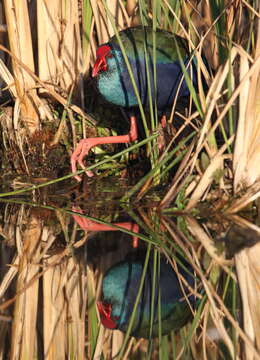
114,83
120,287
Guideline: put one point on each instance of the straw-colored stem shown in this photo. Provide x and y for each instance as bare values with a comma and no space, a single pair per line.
20,40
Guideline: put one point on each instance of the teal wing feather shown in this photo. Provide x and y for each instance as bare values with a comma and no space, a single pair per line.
134,39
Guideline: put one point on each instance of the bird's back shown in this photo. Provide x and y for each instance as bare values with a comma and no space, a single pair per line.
136,38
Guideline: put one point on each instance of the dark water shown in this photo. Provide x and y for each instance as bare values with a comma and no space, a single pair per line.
73,232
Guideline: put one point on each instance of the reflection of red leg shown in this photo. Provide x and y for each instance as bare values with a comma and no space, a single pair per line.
85,145
90,225
163,121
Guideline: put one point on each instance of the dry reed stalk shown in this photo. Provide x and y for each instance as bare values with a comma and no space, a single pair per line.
20,41
48,27
104,338
247,147
23,339
210,45
251,194
59,44
207,242
130,7
2,39
213,95
8,78
54,310
63,307
100,343
103,25
207,178
4,286
115,8
93,315
109,343
9,276
248,271
117,342
75,291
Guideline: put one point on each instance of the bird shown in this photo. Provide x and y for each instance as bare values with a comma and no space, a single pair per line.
113,80
119,291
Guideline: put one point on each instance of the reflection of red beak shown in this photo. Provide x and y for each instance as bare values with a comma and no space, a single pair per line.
105,312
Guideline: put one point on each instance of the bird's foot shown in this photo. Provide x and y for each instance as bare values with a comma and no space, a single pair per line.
78,155
85,145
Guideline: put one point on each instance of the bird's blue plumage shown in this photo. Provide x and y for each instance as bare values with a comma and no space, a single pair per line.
120,288
115,83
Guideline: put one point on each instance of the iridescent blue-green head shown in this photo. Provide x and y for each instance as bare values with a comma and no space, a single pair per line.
112,78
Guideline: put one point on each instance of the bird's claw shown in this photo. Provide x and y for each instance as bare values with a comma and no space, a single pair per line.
78,155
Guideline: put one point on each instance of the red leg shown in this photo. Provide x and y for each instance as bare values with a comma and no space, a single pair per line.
161,141
90,225
85,145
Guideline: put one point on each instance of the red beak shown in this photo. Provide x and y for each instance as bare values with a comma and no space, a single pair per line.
101,62
100,65
97,66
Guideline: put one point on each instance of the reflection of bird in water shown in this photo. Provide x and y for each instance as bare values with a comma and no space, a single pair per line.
122,279
119,291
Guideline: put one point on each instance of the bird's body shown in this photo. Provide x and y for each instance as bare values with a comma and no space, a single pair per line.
113,80
119,291
115,83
